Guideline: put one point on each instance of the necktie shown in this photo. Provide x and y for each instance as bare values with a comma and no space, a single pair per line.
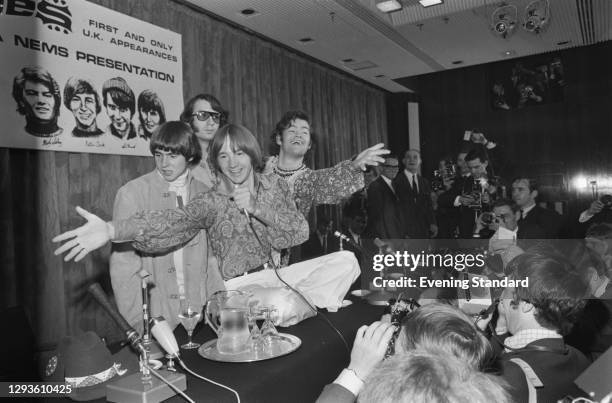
522,214
415,184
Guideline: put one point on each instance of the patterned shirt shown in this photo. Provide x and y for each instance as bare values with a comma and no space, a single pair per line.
231,238
321,186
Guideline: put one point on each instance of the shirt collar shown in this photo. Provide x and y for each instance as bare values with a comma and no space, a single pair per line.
526,336
602,288
387,181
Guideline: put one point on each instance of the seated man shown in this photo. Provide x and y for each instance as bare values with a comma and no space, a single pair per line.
429,377
535,361
182,272
435,328
246,214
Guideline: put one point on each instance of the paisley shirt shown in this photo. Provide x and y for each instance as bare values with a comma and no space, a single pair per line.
231,238
321,186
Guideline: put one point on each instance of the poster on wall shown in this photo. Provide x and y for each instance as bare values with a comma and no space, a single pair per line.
80,77
531,81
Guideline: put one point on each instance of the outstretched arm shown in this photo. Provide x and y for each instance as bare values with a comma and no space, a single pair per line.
151,231
331,185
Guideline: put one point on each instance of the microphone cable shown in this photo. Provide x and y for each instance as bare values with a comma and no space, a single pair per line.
206,379
164,380
276,269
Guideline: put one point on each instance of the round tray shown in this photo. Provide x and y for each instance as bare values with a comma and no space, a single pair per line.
282,344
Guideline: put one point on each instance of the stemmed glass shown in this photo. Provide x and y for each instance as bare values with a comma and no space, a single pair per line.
189,317
267,328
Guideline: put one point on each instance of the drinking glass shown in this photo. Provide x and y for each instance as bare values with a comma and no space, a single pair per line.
189,316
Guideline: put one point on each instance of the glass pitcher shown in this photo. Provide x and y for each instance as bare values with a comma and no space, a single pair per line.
227,314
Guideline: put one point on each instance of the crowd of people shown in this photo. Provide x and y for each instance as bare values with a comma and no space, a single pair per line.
215,214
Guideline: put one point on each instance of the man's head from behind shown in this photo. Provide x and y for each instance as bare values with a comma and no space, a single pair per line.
426,377
119,102
554,298
444,329
477,162
37,94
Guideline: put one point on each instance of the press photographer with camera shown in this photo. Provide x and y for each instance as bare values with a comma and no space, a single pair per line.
436,328
600,211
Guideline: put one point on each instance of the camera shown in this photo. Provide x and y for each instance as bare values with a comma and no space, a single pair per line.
487,218
398,308
446,172
606,200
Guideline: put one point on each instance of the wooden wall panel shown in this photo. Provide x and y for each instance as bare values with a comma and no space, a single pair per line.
255,79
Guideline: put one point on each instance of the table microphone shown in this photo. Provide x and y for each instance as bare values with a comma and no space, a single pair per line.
132,335
160,329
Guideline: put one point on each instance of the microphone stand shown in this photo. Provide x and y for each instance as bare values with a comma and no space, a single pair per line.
153,350
138,387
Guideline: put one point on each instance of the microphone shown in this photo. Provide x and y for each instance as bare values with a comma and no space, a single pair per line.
163,334
248,215
132,335
345,238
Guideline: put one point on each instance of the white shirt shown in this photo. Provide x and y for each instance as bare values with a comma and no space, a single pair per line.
412,179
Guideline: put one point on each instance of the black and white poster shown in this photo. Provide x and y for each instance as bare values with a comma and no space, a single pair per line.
80,77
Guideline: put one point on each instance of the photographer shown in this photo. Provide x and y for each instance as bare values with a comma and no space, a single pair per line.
600,211
434,328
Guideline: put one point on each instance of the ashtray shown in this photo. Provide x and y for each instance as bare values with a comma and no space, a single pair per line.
360,293
277,346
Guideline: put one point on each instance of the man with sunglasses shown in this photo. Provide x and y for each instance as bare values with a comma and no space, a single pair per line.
205,114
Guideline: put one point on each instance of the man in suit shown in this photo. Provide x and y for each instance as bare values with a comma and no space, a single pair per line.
535,222
414,193
383,204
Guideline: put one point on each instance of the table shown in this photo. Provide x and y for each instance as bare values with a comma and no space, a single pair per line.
297,377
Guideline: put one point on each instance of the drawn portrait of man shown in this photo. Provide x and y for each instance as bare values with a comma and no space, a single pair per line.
83,101
151,113
38,99
120,104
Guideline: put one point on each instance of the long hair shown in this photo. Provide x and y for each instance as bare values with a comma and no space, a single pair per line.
240,138
214,104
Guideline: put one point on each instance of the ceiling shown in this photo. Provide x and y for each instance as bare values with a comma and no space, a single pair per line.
354,36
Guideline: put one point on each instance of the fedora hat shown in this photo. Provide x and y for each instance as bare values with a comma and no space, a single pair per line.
85,363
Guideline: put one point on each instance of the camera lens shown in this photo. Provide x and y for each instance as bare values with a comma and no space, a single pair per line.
488,218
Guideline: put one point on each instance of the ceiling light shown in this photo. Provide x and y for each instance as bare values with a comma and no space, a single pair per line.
503,20
388,6
305,40
428,3
456,62
537,16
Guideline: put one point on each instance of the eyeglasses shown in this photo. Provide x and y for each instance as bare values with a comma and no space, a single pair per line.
203,116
